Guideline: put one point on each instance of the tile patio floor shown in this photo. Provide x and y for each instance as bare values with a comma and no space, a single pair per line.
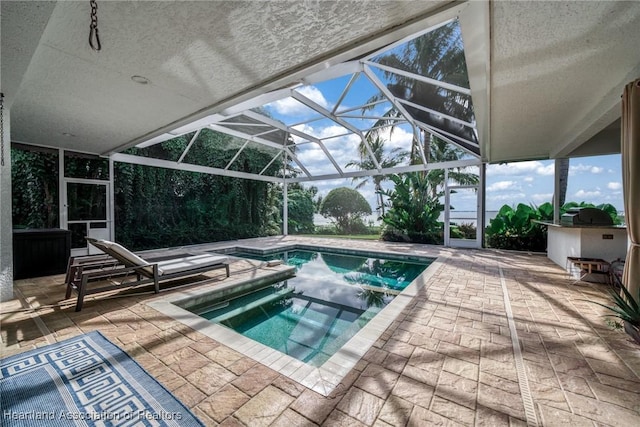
447,360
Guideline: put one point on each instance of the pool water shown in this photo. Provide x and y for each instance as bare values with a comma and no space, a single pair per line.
313,314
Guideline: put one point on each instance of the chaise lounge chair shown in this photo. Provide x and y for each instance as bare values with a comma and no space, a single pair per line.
123,263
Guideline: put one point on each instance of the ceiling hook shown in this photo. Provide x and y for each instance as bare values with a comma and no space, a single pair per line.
94,38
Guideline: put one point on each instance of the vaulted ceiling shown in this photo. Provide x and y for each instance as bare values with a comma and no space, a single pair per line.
545,77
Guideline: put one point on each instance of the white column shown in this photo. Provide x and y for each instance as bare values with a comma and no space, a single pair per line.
285,209
556,192
112,201
62,192
482,206
6,222
447,222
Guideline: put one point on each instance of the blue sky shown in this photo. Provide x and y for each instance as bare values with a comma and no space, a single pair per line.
591,179
595,179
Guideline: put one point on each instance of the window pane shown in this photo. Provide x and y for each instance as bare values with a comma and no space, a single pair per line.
78,165
78,233
86,201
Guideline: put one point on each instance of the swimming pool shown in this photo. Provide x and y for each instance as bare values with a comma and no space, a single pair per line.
256,273
313,314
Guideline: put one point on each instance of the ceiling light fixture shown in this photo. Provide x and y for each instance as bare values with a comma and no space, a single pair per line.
69,135
140,79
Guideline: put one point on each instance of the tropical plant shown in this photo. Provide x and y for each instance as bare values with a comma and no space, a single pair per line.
300,211
514,228
394,158
466,230
347,206
414,210
157,207
34,180
442,151
300,207
625,307
438,54
372,297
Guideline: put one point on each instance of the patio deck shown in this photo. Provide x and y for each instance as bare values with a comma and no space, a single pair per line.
447,359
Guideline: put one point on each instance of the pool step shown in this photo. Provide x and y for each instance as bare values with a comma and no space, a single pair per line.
250,306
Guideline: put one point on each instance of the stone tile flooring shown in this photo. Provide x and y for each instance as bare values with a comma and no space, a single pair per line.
447,359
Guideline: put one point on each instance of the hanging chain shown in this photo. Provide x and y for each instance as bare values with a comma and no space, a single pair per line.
94,38
2,129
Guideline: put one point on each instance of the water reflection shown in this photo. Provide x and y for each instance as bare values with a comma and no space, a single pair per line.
313,314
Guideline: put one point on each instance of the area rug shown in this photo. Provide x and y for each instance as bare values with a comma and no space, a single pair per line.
88,381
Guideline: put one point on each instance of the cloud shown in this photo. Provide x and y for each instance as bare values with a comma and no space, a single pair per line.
508,197
580,168
398,138
343,149
614,186
528,179
321,132
542,197
521,168
546,170
583,193
502,186
334,130
291,107
314,159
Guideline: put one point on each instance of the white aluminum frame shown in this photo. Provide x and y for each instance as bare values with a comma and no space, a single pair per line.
472,16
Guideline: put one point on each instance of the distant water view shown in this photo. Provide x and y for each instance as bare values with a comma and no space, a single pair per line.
457,217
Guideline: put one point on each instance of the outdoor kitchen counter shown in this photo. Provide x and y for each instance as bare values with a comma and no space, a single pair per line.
608,242
552,224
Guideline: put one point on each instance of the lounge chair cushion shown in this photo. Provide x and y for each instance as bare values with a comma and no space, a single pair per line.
170,266
178,265
122,254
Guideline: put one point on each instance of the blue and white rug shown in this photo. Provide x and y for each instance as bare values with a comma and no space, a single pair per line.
84,381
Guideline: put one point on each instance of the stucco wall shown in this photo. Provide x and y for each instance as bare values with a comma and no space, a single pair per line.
6,236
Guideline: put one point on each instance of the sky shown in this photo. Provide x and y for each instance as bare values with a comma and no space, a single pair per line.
591,179
596,180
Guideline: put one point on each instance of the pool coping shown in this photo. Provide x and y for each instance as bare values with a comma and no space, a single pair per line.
325,378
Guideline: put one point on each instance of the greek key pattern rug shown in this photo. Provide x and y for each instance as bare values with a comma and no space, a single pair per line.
84,381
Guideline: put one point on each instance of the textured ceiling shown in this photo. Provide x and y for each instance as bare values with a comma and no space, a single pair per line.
196,55
556,72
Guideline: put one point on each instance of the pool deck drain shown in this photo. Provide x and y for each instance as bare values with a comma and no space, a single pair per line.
523,380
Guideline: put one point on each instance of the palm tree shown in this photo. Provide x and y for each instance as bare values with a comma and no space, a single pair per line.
442,151
438,54
394,158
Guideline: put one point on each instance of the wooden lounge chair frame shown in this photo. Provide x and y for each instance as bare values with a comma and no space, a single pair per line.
126,271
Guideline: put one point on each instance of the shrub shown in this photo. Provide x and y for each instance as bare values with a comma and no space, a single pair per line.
515,229
346,206
415,209
391,234
463,231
